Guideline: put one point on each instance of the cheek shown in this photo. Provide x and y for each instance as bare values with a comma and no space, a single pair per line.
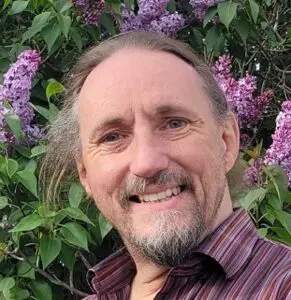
105,175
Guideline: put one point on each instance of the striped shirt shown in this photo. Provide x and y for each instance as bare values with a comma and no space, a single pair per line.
232,263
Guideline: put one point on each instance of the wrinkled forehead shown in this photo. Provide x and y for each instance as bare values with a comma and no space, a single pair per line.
134,78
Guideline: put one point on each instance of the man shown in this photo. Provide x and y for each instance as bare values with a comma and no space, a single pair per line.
153,140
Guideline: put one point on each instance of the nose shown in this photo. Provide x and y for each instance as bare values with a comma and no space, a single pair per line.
148,158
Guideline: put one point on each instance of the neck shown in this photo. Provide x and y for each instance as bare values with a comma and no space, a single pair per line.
148,280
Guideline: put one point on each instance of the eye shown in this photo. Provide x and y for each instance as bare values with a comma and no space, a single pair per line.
176,123
111,137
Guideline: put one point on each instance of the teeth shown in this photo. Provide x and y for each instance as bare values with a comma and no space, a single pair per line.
175,192
162,196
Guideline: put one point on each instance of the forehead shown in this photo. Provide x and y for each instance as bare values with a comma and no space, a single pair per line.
139,79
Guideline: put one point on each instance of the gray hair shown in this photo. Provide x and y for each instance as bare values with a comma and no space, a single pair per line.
63,134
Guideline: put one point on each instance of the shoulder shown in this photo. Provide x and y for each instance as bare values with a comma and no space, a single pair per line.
274,261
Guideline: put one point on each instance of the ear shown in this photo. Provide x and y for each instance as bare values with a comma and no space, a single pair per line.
83,177
230,136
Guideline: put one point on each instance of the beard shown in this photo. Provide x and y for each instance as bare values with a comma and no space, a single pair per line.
174,240
175,235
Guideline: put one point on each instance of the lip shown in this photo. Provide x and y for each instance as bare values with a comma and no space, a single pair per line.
150,207
157,189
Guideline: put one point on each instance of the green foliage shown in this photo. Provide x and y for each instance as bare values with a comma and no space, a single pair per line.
43,247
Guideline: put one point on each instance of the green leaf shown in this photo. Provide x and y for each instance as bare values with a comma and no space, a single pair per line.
28,223
29,180
6,3
50,34
17,293
76,194
76,213
65,24
251,197
14,124
285,219
211,12
53,112
68,256
12,167
171,6
242,28
75,234
3,202
41,290
62,5
263,232
104,225
278,179
49,249
284,235
6,283
38,23
255,9
38,150
18,6
31,166
196,39
76,37
25,270
54,88
23,150
108,22
43,111
226,12
214,40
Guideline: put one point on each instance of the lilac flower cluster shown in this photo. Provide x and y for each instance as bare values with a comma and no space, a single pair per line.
240,94
201,6
280,150
152,16
15,95
252,175
90,10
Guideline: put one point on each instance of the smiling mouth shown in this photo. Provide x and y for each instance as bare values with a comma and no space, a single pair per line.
158,197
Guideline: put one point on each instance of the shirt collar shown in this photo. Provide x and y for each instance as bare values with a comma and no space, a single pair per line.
230,245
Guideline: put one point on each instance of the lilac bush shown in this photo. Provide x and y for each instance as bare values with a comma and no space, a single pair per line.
240,94
15,96
90,10
152,16
252,175
201,6
280,150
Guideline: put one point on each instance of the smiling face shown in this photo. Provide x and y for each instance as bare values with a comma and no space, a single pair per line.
154,158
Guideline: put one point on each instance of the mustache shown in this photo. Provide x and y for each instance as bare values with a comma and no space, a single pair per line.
134,185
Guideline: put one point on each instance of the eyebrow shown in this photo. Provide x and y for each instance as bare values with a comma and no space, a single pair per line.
161,110
107,123
172,109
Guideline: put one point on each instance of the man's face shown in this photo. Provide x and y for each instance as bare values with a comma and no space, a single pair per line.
153,156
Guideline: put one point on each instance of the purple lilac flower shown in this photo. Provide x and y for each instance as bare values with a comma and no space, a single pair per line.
239,94
252,174
280,150
152,16
150,9
167,24
90,10
15,95
201,6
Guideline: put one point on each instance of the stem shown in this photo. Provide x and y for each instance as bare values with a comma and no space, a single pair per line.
52,278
